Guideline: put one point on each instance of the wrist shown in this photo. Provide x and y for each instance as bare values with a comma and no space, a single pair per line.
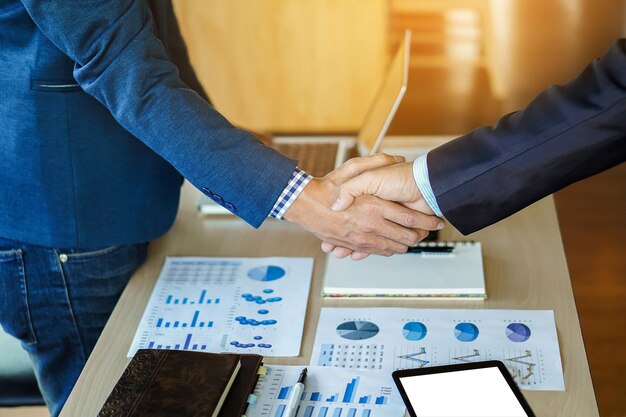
316,193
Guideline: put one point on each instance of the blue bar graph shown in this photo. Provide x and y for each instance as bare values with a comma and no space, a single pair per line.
348,395
381,400
365,400
337,412
323,411
280,411
352,412
284,393
332,398
366,413
308,412
315,396
185,300
187,341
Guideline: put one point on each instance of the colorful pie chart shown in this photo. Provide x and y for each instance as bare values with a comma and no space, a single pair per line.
466,332
266,273
517,332
414,330
357,330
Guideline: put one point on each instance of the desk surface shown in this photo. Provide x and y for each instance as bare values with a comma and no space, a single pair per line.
524,263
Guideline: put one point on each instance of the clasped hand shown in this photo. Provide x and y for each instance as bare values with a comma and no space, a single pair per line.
366,206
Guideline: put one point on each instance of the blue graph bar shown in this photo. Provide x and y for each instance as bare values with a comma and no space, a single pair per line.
352,412
184,325
337,412
159,346
315,396
176,346
195,318
284,393
332,398
151,345
167,324
185,300
348,395
194,347
202,295
217,301
203,347
381,400
365,400
176,323
176,301
366,413
187,341
201,324
323,412
210,324
280,410
308,412
169,299
159,322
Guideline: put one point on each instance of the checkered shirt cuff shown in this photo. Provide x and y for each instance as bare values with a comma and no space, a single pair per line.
299,180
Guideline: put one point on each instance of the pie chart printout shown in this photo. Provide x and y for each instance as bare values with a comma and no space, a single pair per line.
466,332
266,273
357,330
518,332
414,330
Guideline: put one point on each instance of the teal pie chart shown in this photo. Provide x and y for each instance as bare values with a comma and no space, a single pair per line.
266,273
414,331
357,330
466,332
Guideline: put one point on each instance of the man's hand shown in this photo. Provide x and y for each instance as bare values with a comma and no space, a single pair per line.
391,182
370,224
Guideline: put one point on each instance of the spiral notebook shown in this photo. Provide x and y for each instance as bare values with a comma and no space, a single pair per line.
429,269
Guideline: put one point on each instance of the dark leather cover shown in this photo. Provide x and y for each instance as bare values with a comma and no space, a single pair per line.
237,399
171,383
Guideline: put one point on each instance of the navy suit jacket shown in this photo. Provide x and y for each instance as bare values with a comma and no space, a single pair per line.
567,133
96,128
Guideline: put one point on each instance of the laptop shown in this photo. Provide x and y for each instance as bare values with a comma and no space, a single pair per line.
319,155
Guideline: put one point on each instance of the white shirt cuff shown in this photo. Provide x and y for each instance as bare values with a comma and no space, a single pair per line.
420,172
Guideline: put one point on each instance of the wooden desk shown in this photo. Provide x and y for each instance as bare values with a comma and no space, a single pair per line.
524,265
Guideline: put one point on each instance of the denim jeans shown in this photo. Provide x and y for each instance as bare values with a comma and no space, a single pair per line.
57,301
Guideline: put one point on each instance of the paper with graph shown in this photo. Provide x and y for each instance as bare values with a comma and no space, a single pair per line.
401,338
240,305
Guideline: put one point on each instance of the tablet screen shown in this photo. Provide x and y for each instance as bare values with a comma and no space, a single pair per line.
464,393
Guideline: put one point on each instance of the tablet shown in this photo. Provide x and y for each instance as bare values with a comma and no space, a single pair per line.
478,389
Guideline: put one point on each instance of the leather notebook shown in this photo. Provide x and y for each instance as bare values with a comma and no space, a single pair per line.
237,399
172,383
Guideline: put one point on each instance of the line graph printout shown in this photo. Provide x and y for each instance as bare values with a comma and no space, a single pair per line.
386,339
241,305
328,393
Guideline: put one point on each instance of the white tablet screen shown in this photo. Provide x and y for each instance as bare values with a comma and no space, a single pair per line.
470,393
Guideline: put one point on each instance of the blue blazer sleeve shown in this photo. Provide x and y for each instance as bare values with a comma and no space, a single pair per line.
567,133
119,60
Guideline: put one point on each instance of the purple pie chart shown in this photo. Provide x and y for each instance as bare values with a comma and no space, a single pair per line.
517,332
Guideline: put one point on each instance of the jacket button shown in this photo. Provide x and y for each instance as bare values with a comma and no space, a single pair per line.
229,207
207,192
218,199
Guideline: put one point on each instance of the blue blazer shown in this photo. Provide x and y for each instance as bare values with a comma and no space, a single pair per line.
96,128
567,133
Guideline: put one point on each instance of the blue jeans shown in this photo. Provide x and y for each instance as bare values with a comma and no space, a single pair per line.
57,301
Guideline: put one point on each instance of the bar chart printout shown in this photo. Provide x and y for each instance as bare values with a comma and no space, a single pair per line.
241,305
329,393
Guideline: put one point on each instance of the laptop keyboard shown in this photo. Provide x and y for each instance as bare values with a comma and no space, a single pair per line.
318,159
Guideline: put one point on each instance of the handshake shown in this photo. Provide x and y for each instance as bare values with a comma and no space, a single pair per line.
368,205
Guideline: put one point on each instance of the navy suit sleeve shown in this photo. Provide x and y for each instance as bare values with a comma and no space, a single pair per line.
120,62
567,133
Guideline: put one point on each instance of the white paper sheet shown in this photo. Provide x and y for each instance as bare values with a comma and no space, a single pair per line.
399,338
329,392
241,305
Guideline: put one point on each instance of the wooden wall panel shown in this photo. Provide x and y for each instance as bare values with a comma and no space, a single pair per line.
282,65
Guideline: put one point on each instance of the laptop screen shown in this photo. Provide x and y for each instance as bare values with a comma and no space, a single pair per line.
387,99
